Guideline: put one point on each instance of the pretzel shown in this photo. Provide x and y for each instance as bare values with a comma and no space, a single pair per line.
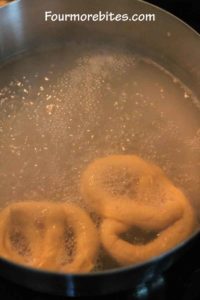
126,253
130,190
40,227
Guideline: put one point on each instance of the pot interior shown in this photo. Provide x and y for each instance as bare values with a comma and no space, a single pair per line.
64,106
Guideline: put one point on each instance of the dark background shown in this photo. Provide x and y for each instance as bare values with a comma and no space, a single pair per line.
187,10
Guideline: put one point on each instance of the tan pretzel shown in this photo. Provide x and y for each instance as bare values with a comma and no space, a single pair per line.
40,228
128,189
126,253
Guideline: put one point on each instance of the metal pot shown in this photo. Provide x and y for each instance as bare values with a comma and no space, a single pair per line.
167,40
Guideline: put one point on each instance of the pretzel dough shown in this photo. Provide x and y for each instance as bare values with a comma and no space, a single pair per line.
38,228
126,253
130,190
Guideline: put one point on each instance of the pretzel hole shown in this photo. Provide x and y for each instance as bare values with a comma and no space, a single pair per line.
120,182
19,243
138,236
69,245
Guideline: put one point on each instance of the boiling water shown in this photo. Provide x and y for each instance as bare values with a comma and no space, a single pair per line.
62,109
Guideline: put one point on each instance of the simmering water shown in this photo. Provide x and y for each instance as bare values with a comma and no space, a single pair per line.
62,109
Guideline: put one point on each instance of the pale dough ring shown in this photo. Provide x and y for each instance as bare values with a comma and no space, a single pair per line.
46,243
126,253
125,208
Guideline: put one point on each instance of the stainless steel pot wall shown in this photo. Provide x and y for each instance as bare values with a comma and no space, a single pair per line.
167,40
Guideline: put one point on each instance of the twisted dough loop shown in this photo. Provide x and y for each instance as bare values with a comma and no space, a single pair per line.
126,253
42,226
152,203
148,200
